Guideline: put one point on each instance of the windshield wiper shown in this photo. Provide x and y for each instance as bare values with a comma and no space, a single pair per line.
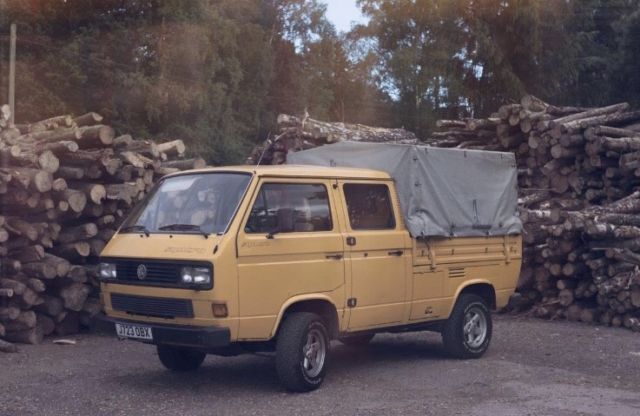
183,227
136,227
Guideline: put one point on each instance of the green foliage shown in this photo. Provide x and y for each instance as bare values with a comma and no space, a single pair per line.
449,58
628,85
217,72
516,44
202,70
416,42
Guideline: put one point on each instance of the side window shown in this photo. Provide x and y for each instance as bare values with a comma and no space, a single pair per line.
369,207
286,208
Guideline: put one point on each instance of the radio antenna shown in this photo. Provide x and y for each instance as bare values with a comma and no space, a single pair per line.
267,145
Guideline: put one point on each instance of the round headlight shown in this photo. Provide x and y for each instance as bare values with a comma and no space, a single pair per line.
187,275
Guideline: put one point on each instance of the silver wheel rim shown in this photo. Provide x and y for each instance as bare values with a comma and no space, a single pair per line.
475,327
314,352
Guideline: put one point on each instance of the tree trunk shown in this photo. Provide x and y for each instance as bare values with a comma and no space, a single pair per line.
74,296
88,119
29,336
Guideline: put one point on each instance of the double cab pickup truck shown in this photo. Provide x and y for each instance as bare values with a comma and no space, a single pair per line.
288,258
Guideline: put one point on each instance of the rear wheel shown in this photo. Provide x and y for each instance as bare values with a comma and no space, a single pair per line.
180,359
357,340
302,352
467,332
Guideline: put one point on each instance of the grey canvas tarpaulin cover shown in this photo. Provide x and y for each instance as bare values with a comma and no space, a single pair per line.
443,192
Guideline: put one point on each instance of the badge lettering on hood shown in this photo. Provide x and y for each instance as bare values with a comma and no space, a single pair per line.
184,250
253,244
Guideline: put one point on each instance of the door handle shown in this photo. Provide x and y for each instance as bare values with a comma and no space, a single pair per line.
334,256
396,253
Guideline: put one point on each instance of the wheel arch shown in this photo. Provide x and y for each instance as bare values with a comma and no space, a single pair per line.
318,304
481,288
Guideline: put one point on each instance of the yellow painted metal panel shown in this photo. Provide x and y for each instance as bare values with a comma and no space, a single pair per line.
299,172
427,288
259,278
378,279
271,271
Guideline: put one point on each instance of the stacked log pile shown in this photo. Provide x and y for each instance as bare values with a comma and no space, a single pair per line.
579,176
65,185
295,134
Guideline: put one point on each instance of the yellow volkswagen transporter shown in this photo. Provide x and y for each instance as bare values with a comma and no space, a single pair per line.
288,258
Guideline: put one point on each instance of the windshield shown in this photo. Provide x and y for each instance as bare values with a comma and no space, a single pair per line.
198,203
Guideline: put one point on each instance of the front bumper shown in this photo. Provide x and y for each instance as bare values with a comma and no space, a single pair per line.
198,337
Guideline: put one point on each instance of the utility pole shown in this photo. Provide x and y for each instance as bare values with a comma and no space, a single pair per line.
12,75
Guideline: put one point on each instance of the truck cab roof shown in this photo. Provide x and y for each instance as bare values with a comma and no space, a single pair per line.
299,171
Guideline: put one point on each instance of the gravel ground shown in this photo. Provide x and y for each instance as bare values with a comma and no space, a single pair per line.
532,368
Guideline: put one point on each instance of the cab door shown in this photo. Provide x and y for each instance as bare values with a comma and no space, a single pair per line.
375,254
290,245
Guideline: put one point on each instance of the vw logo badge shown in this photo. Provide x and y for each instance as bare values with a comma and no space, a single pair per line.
142,272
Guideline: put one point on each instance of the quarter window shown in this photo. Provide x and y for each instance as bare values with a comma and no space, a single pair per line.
369,207
286,208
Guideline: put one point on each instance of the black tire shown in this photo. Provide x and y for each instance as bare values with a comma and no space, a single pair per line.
456,343
297,332
180,359
357,340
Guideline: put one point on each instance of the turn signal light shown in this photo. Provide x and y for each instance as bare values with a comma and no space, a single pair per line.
219,309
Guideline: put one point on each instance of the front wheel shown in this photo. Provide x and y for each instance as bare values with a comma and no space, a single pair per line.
302,352
180,359
467,332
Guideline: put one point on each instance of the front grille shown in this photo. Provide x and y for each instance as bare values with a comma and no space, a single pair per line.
162,273
159,273
160,307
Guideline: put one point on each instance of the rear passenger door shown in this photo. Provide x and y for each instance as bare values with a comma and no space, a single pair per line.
375,254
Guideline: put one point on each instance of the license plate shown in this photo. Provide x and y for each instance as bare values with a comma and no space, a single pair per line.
134,331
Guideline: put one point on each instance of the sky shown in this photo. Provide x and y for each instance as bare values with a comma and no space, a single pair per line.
342,12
